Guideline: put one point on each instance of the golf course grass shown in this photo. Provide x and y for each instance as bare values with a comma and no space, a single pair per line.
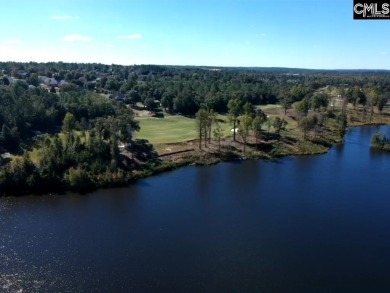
173,128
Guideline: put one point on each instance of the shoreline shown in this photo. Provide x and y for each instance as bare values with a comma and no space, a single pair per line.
209,158
196,157
213,158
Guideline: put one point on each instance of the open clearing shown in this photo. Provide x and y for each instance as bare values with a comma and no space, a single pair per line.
166,130
172,129
177,128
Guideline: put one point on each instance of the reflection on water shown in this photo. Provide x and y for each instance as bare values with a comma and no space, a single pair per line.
339,149
16,273
298,224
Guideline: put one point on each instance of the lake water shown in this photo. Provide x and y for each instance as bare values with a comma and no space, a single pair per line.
298,224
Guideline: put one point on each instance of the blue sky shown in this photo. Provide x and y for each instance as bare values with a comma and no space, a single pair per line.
269,33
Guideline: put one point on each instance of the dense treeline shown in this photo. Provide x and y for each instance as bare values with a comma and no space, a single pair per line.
186,90
76,135
25,111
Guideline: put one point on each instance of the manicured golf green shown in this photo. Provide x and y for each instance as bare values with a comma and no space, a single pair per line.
171,129
269,107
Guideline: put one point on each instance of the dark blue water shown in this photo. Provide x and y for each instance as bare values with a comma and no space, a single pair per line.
298,224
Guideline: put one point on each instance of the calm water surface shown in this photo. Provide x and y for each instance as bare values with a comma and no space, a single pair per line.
305,224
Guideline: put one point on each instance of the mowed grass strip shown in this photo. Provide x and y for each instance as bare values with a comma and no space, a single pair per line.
269,107
172,129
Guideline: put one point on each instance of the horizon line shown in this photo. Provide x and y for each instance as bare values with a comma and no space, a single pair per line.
209,66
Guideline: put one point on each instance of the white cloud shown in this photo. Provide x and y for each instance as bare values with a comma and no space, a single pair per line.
64,17
12,42
383,53
129,37
71,38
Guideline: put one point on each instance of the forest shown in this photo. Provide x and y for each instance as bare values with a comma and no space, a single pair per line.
70,126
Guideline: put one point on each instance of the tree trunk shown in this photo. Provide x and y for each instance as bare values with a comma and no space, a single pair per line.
234,130
200,138
371,113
